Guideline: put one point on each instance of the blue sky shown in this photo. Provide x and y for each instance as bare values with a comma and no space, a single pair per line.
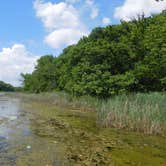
32,28
19,23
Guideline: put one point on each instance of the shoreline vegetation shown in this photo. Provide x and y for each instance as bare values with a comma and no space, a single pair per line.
101,102
118,72
122,67
70,126
144,113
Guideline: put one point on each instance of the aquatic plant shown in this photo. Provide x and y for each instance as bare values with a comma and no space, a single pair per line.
137,112
141,112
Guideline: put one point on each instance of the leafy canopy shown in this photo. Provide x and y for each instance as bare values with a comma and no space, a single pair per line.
128,57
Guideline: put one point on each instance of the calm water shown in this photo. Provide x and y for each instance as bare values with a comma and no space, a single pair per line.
30,138
9,112
18,144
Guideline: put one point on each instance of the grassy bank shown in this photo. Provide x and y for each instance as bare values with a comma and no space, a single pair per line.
137,112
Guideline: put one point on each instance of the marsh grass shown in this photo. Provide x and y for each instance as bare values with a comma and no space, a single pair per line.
138,112
141,112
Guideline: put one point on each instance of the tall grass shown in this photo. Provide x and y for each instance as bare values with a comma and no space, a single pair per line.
135,112
139,112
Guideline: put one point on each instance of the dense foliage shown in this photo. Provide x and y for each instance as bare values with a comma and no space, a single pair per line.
5,87
129,57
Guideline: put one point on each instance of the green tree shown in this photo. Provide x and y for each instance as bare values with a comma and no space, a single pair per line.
123,58
6,87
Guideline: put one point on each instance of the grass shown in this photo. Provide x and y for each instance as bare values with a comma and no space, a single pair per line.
139,112
144,112
66,126
87,144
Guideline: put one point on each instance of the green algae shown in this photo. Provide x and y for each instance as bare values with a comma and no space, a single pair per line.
86,143
66,136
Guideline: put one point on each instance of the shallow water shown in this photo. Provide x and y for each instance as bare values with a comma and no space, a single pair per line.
34,133
18,144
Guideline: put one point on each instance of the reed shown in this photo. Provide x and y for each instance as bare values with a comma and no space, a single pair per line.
141,112
138,112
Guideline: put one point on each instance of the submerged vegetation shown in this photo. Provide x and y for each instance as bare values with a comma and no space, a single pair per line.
144,113
64,135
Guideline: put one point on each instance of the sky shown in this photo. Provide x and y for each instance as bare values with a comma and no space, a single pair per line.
33,28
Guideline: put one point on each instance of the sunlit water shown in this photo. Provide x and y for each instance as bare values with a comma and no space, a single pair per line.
27,139
10,129
9,111
18,145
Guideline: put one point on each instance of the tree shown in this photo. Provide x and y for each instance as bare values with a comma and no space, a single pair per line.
6,87
123,58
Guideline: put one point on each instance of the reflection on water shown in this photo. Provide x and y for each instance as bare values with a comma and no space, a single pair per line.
9,111
8,108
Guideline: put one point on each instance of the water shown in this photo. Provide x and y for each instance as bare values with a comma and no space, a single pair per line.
19,145
9,111
34,133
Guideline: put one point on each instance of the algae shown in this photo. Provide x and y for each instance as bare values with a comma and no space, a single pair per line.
71,137
88,144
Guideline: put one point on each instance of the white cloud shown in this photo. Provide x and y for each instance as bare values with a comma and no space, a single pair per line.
60,19
94,10
69,35
15,60
106,21
131,8
58,15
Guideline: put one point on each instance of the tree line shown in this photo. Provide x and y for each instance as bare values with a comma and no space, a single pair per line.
123,58
6,87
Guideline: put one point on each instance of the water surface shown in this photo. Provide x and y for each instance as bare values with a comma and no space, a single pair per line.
19,145
39,133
